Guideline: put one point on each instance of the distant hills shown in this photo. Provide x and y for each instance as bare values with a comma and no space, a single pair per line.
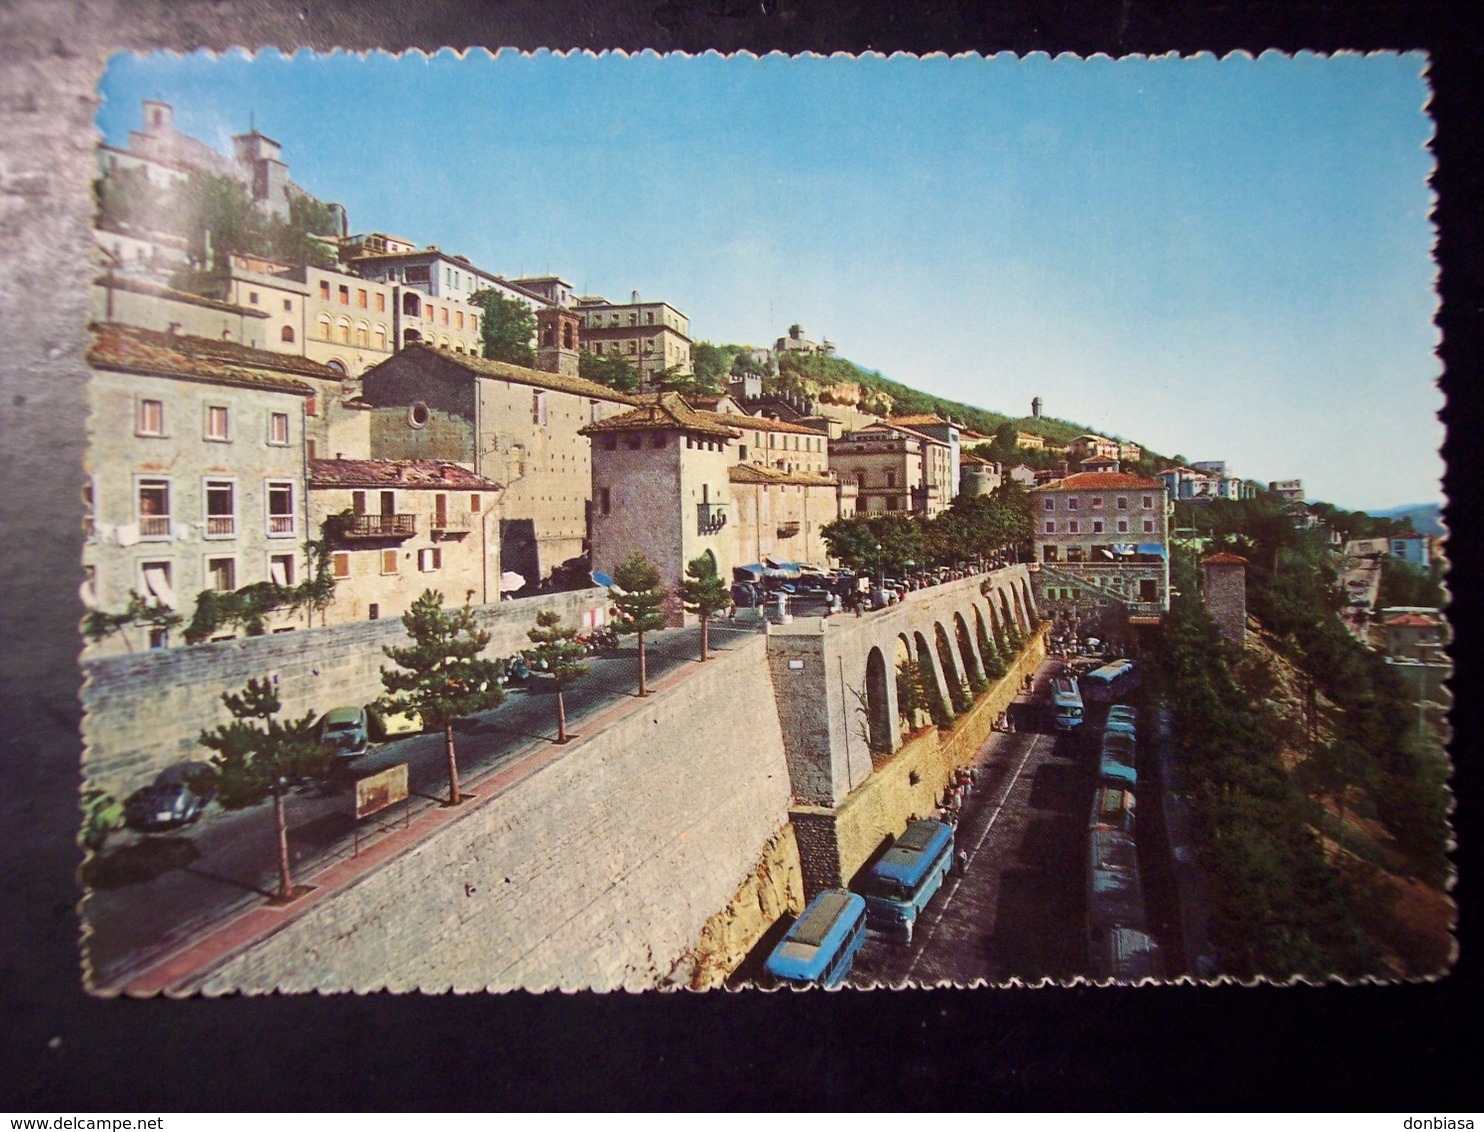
1427,518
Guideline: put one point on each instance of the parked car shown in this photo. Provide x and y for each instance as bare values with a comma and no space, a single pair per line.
345,730
384,725
170,801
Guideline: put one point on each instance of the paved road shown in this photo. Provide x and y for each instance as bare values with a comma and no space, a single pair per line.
226,862
1016,913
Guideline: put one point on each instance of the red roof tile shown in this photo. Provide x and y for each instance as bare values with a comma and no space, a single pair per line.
1091,481
1224,558
130,349
428,474
668,411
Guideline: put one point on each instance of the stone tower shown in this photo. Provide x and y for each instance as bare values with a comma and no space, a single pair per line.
1224,593
1035,406
556,340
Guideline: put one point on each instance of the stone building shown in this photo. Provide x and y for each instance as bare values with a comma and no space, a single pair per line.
1102,542
1224,593
978,475
520,427
890,467
1414,634
653,336
1091,444
552,289
781,445
398,527
780,515
1029,440
131,300
440,275
168,156
950,477
195,471
661,482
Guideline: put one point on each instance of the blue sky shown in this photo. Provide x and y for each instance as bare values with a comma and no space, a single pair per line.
1221,258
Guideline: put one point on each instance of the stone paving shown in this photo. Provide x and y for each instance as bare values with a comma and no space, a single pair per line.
1016,913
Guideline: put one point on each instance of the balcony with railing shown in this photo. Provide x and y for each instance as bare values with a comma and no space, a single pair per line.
362,527
453,524
280,524
154,526
710,517
221,526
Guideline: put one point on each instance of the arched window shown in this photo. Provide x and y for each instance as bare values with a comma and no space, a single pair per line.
343,331
379,337
286,334
363,334
409,336
324,327
337,366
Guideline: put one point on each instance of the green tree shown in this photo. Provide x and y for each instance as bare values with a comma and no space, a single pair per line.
637,595
258,756
441,675
912,692
560,656
304,236
509,328
612,370
140,612
704,593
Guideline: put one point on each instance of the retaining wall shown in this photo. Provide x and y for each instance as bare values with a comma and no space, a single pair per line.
834,843
601,870
144,711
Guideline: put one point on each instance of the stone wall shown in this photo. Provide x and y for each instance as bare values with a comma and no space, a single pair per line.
775,887
600,870
835,843
144,711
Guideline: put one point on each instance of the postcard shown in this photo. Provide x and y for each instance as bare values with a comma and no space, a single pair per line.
607,522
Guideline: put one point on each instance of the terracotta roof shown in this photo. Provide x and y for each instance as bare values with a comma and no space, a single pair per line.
766,424
129,349
427,474
1413,621
972,458
1224,558
668,410
1092,481
755,473
917,420
504,371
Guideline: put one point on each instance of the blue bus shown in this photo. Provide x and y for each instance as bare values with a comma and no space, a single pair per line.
823,942
1116,758
1111,682
1115,895
1123,718
1112,808
1066,702
904,880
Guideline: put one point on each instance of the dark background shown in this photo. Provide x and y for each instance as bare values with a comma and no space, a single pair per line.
1332,1048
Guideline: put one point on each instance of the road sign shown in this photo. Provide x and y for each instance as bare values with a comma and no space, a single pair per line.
377,791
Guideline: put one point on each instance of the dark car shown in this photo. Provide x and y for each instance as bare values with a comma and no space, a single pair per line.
170,801
344,730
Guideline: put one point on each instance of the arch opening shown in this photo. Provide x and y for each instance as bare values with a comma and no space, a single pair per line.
878,705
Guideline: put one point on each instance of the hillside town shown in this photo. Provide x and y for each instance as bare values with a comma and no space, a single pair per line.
314,429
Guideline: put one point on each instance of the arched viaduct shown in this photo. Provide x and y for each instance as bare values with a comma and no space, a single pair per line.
835,679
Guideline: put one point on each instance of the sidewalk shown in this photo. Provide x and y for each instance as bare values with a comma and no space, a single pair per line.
224,939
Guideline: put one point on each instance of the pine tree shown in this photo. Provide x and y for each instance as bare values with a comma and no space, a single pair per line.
704,593
257,756
637,594
441,675
558,654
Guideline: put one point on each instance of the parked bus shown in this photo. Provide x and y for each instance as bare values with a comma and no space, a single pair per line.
1111,682
1112,808
1066,701
1122,718
1115,896
1127,955
1116,758
823,942
904,880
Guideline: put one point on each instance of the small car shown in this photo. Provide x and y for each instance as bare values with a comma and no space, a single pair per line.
344,729
170,801
389,725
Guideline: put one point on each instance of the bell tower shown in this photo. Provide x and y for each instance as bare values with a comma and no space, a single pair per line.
556,340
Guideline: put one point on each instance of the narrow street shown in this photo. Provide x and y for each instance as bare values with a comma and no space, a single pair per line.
225,862
1016,913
